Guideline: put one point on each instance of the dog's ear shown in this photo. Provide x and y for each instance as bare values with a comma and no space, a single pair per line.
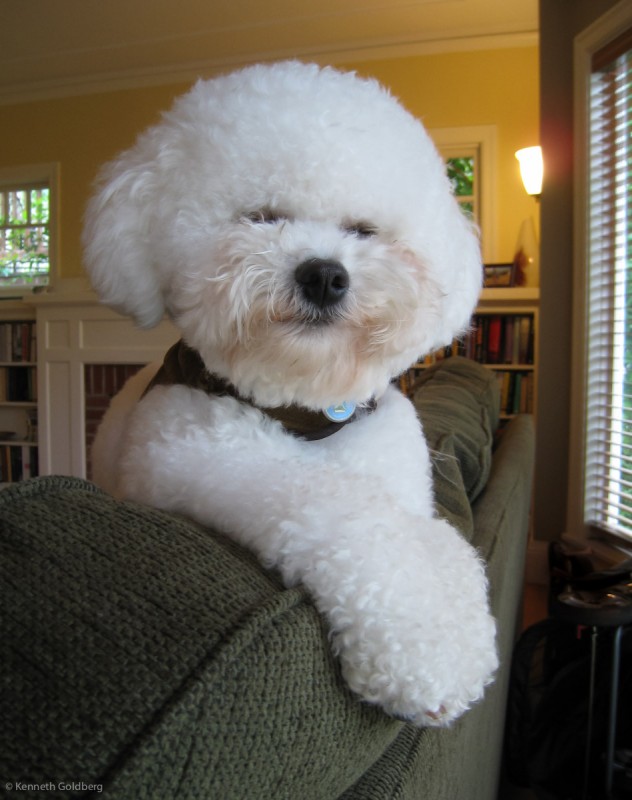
117,243
461,274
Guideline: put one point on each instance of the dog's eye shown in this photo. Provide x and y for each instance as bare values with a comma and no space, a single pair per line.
363,230
263,216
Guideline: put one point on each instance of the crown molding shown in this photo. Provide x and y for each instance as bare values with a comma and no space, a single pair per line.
190,72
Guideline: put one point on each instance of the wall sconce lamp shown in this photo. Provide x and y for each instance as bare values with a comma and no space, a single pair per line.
531,169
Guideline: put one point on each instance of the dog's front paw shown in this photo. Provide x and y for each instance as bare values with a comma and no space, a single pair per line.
420,641
428,682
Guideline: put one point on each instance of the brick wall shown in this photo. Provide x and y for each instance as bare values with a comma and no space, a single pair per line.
101,383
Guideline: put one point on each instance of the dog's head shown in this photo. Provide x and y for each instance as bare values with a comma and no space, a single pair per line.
297,225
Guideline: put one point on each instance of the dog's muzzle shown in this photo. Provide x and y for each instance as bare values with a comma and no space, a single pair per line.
323,282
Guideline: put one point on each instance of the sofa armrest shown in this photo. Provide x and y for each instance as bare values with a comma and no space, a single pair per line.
157,658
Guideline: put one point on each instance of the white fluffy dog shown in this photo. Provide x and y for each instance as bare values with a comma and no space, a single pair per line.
297,226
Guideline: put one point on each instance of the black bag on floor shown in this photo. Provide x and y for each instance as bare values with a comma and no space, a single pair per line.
548,710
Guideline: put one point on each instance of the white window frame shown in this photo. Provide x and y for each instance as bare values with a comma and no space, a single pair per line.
25,175
480,141
595,37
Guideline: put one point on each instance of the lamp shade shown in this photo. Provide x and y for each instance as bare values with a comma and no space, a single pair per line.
531,169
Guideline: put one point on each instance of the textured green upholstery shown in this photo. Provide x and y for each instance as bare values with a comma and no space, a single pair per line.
156,659
458,402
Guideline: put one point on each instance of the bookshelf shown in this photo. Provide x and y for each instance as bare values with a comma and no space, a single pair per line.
503,337
18,399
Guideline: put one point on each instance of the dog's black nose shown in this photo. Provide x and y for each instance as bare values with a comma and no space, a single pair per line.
324,282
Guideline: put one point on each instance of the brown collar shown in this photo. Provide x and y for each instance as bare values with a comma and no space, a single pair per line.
183,365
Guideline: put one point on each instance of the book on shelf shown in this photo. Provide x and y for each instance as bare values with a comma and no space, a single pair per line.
18,384
500,339
18,462
516,392
493,344
18,341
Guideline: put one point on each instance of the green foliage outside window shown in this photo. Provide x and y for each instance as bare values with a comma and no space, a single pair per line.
461,172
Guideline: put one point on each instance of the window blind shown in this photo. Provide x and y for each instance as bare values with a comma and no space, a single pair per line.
608,476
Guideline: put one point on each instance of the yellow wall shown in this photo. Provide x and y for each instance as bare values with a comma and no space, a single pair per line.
479,88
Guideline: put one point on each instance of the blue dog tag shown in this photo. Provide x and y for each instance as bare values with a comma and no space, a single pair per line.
340,413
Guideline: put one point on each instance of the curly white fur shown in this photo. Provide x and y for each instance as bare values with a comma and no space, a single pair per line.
207,218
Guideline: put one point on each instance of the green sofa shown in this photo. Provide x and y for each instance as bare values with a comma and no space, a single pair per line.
144,656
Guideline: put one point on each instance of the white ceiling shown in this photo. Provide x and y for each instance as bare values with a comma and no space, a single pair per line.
69,46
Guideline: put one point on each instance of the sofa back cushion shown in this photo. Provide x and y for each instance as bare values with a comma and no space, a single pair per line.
458,403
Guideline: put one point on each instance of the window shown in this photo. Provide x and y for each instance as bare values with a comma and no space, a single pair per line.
608,496
603,502
24,235
470,156
27,235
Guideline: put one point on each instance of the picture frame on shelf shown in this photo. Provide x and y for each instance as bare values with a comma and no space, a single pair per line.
499,275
